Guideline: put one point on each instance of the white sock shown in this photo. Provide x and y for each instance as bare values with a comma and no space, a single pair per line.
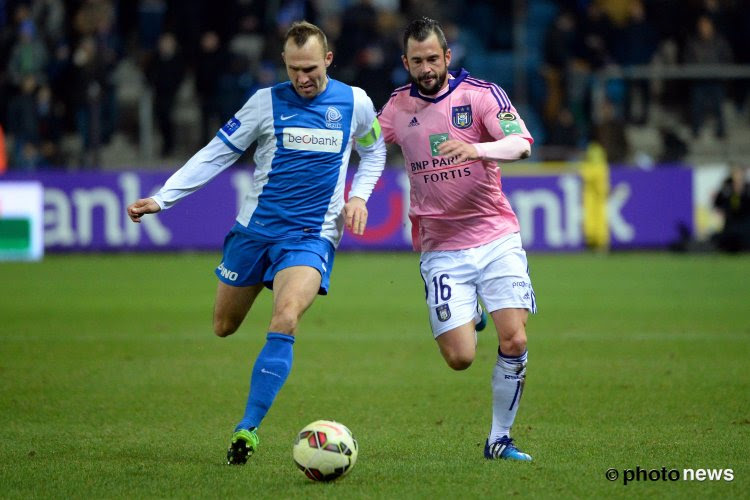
507,385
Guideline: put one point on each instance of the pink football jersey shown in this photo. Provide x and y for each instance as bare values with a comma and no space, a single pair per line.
453,206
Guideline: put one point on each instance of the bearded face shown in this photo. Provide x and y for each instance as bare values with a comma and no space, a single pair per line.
427,64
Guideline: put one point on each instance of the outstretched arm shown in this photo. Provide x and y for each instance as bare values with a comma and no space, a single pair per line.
210,161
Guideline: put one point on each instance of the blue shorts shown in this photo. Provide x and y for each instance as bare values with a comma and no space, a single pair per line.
249,262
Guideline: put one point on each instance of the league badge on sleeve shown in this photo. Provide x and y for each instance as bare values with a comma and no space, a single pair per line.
461,116
508,123
443,312
231,126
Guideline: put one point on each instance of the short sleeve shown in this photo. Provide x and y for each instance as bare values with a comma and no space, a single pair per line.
385,118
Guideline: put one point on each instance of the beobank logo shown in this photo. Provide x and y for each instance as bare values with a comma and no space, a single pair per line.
313,139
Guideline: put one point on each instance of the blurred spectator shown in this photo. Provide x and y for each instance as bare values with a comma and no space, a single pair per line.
376,60
23,125
98,54
674,149
92,96
596,34
241,9
562,131
707,96
151,14
49,16
610,133
717,12
733,201
481,17
668,93
460,42
28,57
212,61
248,43
165,73
559,49
358,28
636,44
49,129
235,84
289,11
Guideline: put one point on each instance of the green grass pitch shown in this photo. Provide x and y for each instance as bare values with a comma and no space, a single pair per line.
113,385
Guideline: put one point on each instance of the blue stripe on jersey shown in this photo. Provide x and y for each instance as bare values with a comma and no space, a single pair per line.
303,180
498,93
231,146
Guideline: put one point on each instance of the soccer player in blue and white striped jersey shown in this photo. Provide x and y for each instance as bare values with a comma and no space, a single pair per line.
292,218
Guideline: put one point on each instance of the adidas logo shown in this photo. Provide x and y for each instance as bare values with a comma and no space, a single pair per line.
414,122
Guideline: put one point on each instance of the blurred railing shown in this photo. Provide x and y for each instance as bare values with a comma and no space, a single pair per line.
657,73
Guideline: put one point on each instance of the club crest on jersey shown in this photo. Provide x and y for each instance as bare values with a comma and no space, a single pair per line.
443,312
461,116
231,126
333,117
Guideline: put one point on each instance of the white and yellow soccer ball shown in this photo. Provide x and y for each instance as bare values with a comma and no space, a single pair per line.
325,450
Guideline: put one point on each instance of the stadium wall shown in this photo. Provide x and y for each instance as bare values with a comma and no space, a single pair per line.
85,211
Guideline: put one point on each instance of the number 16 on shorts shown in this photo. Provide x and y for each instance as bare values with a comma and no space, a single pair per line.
438,294
439,290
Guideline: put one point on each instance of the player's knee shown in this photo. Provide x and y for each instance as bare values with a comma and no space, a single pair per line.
515,344
224,327
284,321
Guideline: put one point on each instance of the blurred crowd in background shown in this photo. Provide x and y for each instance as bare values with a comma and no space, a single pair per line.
73,73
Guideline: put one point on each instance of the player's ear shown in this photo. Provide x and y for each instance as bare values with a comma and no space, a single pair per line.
405,61
447,57
328,58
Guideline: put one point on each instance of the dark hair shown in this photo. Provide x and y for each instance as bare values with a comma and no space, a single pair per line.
300,31
420,29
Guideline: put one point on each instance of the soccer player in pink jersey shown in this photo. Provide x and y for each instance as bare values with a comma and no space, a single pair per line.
453,129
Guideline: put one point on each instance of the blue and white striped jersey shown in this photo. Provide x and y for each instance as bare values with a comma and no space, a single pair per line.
302,154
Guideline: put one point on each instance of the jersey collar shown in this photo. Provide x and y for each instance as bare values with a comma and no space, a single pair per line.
458,77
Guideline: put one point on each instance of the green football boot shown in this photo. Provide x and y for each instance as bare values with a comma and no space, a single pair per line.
244,444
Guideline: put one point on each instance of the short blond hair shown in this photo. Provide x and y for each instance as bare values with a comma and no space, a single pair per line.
301,31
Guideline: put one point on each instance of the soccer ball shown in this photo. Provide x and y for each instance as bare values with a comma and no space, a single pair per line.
325,450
